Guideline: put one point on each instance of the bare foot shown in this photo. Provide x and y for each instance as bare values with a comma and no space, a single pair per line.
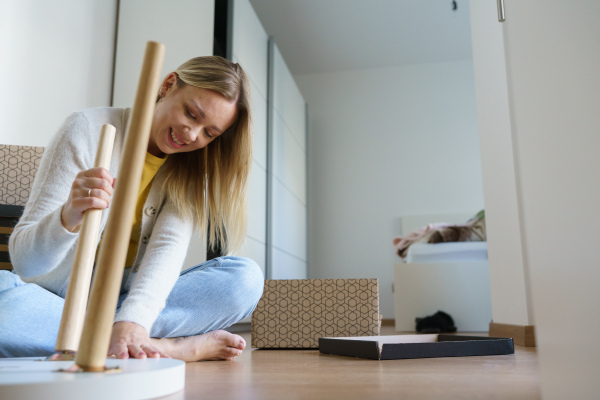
215,345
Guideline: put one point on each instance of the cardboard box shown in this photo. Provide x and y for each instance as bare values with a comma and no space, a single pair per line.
415,346
294,314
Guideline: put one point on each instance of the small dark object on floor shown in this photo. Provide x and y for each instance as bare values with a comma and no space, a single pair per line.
440,322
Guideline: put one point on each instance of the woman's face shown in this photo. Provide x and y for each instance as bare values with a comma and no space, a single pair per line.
188,118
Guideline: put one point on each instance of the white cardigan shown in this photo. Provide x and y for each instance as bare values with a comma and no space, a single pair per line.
42,250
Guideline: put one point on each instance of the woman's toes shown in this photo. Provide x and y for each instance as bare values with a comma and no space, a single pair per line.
233,340
241,344
230,353
238,343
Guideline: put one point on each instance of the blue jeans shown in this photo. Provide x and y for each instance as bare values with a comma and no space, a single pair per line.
213,295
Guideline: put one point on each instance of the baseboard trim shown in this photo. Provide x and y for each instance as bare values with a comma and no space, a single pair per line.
239,327
523,335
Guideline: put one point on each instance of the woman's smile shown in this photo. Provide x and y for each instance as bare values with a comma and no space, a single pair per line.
175,140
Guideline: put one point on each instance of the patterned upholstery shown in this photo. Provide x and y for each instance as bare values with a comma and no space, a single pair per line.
18,166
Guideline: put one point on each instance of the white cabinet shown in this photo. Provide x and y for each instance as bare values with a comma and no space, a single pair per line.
552,63
185,27
143,20
510,299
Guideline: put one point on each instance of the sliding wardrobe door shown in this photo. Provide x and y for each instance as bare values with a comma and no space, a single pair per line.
249,48
287,212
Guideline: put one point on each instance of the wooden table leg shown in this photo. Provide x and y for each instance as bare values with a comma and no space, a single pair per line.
73,315
97,329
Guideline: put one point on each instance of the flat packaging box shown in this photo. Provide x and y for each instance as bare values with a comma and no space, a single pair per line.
415,346
294,314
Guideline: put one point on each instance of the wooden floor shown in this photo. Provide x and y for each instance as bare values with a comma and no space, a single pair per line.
307,374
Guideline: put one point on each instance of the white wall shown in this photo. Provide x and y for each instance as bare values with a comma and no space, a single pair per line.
56,59
385,143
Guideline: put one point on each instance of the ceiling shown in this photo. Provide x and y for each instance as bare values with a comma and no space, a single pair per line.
317,36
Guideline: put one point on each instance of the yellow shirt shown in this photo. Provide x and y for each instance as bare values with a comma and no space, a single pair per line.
151,166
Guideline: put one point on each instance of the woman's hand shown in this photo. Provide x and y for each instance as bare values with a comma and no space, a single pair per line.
131,340
91,189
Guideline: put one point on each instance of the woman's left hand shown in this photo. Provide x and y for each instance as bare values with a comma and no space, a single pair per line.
129,339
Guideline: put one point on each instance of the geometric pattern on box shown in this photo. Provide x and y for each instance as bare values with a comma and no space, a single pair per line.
18,165
294,314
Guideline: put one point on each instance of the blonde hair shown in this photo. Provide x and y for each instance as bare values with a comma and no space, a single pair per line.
210,184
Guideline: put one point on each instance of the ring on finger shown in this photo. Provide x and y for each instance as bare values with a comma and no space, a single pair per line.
89,193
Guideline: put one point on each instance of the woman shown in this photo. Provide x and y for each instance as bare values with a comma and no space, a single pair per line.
195,174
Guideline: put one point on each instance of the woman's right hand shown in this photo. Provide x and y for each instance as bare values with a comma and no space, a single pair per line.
91,189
